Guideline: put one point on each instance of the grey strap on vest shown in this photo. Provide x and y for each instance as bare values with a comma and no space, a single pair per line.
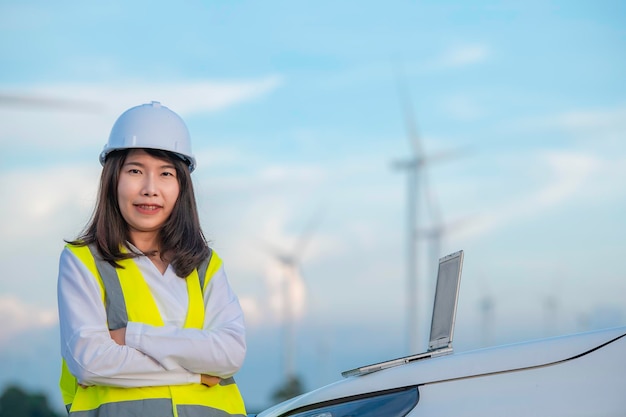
202,268
227,381
115,306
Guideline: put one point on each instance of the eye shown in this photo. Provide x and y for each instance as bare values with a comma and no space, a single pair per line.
168,174
134,171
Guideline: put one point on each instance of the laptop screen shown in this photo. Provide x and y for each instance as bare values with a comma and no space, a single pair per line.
446,295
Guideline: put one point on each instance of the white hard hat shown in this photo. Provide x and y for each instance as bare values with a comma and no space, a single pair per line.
150,126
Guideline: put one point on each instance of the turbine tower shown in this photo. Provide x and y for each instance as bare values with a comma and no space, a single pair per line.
412,166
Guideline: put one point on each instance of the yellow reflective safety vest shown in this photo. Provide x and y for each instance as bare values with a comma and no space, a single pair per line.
127,298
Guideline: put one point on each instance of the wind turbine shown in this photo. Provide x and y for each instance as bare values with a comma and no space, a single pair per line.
415,167
291,262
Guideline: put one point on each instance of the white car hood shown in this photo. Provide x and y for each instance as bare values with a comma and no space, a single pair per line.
458,365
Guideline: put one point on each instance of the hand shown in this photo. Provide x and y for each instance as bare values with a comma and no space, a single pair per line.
209,380
119,336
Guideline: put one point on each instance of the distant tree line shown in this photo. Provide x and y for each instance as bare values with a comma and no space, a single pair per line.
16,402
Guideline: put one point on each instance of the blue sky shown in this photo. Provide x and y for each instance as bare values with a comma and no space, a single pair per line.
295,113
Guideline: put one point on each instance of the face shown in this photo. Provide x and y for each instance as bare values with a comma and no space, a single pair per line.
147,192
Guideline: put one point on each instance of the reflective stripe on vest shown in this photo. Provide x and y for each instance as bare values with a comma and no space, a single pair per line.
127,298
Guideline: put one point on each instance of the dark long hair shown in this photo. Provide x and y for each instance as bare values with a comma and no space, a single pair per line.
181,239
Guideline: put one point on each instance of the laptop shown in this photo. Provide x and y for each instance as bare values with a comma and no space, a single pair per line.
442,323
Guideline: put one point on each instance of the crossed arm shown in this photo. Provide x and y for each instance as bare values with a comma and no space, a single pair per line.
119,337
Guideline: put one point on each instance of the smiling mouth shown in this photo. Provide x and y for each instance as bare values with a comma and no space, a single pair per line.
147,207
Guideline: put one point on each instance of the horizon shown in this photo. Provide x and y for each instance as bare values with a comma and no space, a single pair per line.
297,122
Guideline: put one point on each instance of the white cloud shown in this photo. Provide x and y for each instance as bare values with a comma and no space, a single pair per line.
46,201
218,157
605,126
593,119
55,129
463,108
568,175
461,56
294,174
591,127
18,316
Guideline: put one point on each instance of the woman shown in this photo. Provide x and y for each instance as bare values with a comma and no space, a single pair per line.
149,324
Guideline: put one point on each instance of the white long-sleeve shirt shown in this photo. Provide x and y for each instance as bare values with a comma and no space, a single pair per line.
168,355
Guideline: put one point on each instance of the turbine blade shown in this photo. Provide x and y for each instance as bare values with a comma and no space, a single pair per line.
409,117
50,103
307,235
